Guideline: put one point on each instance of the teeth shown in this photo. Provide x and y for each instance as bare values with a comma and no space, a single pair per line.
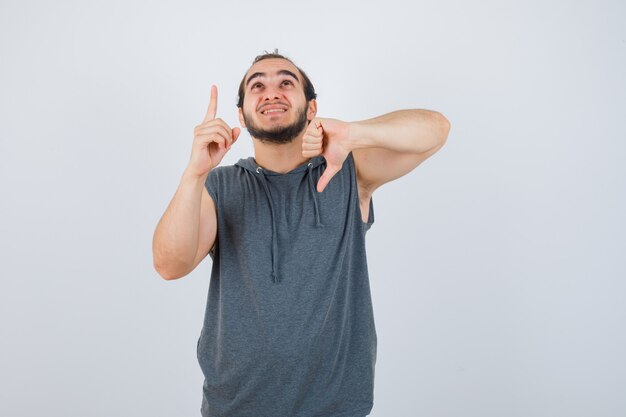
273,111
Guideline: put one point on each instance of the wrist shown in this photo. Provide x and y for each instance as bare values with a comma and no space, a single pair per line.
192,176
359,135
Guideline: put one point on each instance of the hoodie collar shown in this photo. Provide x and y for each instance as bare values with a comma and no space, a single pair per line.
250,165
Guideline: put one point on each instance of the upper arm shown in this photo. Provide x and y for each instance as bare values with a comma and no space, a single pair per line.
207,230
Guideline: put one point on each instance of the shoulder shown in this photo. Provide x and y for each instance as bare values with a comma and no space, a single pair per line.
216,178
222,172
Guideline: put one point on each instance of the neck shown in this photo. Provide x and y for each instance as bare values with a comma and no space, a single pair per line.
280,158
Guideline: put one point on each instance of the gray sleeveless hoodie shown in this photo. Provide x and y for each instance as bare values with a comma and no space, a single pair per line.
289,326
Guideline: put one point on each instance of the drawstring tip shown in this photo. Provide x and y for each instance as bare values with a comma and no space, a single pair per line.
274,278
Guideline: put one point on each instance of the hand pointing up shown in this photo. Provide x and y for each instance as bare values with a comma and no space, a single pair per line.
212,139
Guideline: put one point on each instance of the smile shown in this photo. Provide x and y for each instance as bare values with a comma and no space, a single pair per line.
272,111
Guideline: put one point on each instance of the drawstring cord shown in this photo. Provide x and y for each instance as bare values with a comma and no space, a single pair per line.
274,232
318,221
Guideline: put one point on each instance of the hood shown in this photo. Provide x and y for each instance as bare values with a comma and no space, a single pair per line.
261,174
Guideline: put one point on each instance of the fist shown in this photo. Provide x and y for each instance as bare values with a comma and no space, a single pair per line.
331,139
313,140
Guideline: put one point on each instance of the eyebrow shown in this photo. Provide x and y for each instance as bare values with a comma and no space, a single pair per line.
262,74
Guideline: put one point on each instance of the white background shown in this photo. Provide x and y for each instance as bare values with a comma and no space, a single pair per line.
497,266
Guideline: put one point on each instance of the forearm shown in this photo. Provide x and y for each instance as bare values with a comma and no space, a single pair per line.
175,241
406,131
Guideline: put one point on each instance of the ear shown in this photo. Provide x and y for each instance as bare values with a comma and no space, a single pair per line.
240,113
312,110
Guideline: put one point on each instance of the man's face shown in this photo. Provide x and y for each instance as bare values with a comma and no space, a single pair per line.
274,107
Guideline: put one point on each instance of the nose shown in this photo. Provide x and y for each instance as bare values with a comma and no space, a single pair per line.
271,93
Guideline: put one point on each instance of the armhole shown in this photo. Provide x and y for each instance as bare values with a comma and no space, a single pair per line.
370,214
370,218
210,185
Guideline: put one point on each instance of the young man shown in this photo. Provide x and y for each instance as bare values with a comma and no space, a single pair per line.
289,326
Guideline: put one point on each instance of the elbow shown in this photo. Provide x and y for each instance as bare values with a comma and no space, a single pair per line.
444,128
445,123
167,265
168,274
162,272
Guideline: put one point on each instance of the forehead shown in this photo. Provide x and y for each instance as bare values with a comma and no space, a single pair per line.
271,66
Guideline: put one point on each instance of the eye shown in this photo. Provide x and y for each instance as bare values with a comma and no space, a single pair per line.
287,81
255,84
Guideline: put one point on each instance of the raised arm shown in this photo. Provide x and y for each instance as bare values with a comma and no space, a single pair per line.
187,229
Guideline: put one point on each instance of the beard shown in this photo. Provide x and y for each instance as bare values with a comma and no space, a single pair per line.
280,134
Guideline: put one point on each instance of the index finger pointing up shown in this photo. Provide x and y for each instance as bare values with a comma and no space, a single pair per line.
210,114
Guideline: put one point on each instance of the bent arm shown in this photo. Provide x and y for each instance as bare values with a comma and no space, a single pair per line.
186,231
392,145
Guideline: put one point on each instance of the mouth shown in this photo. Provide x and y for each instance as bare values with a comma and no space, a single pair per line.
273,110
